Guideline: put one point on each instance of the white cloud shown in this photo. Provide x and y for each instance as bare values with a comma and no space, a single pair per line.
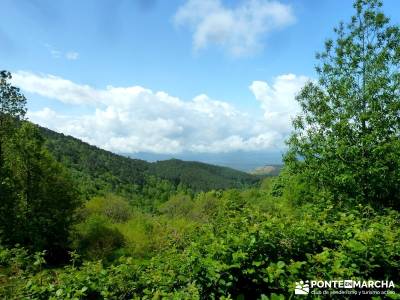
136,119
72,55
278,100
57,88
237,30
56,53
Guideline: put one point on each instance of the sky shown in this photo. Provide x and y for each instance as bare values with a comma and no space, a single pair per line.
168,76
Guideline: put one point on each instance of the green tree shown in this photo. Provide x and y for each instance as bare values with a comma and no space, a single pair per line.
12,110
46,197
37,196
347,137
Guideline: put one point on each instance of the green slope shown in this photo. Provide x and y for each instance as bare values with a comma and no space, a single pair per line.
92,160
201,176
101,169
269,170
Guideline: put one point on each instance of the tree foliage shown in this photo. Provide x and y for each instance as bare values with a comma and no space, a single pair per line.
12,109
12,106
38,198
44,197
347,138
246,250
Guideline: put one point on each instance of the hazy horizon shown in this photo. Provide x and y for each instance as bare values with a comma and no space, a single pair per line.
243,161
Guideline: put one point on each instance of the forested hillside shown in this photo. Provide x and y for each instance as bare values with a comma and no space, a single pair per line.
92,160
78,222
201,176
116,171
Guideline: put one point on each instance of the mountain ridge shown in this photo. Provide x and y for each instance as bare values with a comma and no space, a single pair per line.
93,162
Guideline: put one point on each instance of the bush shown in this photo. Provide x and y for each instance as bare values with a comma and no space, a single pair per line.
97,239
115,208
177,206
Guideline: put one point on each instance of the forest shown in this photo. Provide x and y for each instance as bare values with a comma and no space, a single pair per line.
79,222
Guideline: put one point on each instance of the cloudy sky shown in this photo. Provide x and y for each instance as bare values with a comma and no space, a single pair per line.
167,76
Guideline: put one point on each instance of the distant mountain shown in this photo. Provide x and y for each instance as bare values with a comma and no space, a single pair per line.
200,175
240,160
270,170
98,168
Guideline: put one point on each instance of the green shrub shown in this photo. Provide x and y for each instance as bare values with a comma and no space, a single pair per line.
97,239
115,208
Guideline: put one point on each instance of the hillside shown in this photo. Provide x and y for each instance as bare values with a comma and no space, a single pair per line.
107,168
201,176
81,156
269,170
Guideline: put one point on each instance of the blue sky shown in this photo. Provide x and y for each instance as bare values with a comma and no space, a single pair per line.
205,76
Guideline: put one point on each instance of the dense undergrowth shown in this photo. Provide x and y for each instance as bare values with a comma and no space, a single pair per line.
217,245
